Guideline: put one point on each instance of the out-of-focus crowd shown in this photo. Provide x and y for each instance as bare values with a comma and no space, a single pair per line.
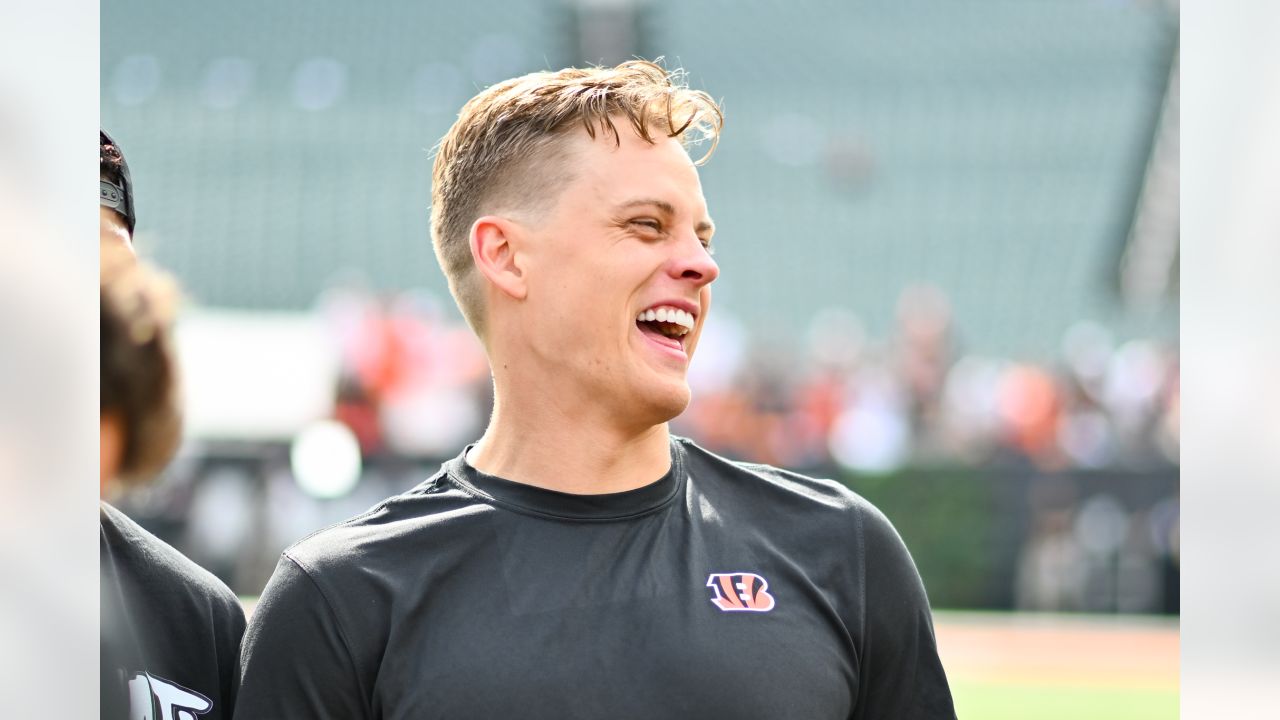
1089,441
415,383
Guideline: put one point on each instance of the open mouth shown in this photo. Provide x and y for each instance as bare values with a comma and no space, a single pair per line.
666,325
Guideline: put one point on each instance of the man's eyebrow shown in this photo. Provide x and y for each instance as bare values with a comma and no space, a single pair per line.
704,226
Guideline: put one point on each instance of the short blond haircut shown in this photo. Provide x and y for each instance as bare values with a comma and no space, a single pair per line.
500,153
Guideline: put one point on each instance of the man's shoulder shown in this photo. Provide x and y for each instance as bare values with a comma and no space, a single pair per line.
155,563
780,482
411,523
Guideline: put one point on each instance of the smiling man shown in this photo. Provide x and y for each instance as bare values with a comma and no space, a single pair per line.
578,561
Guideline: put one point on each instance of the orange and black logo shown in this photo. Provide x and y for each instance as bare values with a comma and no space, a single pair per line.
740,592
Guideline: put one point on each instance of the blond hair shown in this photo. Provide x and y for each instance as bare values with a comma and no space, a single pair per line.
498,154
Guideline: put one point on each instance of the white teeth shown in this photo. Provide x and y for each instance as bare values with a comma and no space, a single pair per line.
668,314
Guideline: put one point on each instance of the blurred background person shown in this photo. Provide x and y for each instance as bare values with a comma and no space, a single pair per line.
170,630
116,214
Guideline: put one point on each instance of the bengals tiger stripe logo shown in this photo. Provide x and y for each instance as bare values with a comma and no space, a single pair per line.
740,592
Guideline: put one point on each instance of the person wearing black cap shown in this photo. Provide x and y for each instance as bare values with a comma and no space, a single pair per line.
170,630
116,216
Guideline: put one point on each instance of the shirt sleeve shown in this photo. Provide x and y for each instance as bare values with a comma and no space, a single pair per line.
295,661
901,675
230,634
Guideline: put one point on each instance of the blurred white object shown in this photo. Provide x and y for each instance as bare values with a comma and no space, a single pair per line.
254,375
49,87
1230,222
873,434
325,459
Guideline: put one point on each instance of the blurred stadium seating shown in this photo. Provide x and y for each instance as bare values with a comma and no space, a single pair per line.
989,149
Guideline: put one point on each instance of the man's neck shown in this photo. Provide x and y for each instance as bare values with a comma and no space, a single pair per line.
539,445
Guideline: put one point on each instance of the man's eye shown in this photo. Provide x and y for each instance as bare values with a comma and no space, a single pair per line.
706,245
648,223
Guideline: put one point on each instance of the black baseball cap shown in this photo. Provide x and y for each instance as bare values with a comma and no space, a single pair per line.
116,194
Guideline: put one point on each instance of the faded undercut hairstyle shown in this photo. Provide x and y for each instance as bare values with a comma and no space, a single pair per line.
139,382
500,154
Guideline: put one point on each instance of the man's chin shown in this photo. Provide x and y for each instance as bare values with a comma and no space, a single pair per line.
664,402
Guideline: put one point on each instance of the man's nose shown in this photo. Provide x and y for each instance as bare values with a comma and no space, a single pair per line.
694,262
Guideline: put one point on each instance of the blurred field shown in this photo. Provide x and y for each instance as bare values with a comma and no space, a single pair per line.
1048,667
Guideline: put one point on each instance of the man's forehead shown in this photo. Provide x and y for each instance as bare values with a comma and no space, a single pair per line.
634,170
626,146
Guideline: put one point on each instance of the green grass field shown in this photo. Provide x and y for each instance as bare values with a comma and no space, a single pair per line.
976,700
1037,667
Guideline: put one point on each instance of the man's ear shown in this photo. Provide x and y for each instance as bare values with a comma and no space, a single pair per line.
495,249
